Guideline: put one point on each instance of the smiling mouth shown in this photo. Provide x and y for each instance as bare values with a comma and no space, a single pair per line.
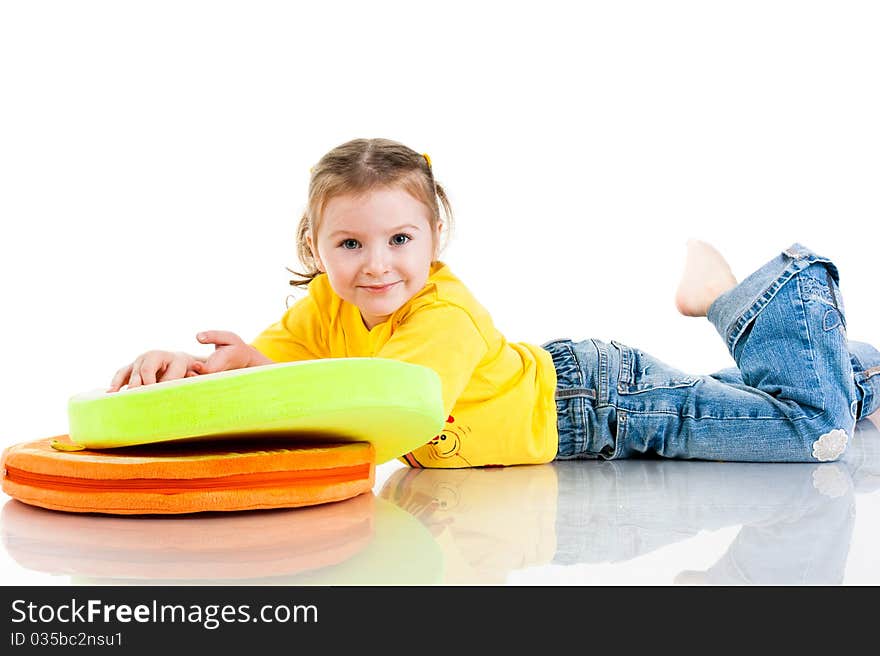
379,289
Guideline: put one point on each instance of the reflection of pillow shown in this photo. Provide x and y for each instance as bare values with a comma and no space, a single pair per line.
395,405
361,541
223,546
184,477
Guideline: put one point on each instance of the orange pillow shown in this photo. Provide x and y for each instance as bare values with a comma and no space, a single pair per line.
187,477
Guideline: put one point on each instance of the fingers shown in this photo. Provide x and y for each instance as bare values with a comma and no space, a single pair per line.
158,366
218,337
145,369
127,375
135,379
151,364
120,378
177,368
219,360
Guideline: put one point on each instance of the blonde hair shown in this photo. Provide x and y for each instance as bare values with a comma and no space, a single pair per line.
359,166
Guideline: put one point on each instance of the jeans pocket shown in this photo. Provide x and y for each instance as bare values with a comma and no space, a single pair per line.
640,372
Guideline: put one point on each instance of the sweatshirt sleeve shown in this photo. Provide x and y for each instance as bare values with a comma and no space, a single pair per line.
298,335
444,337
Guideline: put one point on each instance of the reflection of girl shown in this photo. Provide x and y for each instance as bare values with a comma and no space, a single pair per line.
797,521
488,522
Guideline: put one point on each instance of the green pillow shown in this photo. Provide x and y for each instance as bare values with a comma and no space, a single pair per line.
395,405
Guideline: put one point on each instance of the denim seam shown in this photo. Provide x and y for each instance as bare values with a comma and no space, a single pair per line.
603,396
619,434
625,374
652,388
803,316
834,298
580,436
573,392
688,416
582,447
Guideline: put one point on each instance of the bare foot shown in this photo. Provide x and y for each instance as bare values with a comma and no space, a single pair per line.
706,276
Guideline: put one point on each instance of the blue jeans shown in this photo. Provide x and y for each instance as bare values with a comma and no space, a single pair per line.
797,391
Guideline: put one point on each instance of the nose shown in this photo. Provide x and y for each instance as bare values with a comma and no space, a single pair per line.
377,261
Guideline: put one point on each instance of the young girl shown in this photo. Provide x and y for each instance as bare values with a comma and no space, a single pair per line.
370,239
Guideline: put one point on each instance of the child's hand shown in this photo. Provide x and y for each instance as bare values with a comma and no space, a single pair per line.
230,352
154,366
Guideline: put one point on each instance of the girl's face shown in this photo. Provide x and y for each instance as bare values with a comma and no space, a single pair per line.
376,249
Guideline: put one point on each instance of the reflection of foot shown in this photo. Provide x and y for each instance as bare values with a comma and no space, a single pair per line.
690,577
874,419
706,276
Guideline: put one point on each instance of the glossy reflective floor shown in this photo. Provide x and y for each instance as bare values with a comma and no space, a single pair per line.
622,522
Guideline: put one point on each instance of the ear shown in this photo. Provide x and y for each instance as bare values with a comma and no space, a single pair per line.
436,236
314,251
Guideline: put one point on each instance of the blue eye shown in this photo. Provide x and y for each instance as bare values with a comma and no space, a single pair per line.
397,240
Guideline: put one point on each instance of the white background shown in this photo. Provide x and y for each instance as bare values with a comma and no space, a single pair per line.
154,162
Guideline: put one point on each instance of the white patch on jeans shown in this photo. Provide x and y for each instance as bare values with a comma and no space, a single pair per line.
830,445
830,481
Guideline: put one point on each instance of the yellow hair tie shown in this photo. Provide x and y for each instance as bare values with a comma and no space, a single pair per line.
427,159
